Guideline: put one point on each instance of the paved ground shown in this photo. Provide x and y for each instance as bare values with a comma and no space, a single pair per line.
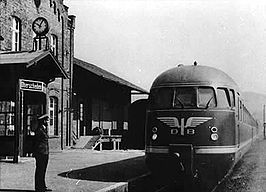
91,171
76,171
249,175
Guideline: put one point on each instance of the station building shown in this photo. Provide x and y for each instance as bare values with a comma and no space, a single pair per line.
39,74
36,66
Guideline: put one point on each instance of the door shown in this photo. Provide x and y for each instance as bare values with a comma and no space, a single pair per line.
34,105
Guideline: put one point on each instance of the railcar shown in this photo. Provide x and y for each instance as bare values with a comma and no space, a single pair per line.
197,126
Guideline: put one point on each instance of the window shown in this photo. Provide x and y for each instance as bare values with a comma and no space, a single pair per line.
222,98
206,97
53,111
54,5
238,104
53,44
7,118
184,97
81,111
171,97
30,117
58,15
241,111
161,98
191,98
232,98
16,34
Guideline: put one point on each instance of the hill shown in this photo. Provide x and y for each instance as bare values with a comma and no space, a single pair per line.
254,102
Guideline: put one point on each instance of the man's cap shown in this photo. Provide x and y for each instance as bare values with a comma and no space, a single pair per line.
45,116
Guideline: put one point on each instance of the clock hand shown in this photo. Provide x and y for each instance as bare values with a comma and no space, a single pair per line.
38,24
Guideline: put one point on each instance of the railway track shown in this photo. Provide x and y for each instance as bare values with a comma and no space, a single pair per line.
152,184
155,184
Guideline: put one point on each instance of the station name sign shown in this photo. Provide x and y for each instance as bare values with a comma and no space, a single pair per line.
30,85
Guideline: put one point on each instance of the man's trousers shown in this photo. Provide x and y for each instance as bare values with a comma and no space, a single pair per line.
41,166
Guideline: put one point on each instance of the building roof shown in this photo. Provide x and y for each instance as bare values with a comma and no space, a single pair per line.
107,75
33,58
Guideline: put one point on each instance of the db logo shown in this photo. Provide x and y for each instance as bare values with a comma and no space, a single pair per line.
182,126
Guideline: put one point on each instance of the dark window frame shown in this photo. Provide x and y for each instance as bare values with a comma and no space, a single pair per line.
168,100
16,44
219,104
55,114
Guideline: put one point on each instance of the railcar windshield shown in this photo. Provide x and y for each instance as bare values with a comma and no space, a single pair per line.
182,97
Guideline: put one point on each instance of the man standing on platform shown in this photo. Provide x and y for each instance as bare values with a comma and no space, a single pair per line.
41,153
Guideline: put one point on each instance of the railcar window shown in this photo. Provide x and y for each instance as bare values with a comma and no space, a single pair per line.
223,98
161,98
206,97
238,105
184,97
188,97
232,98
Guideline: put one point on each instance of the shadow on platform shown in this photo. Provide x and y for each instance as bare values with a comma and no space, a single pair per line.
17,190
120,171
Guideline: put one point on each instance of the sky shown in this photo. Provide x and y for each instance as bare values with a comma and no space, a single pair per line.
139,39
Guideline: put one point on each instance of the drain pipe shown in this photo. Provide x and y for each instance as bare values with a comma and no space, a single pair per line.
62,88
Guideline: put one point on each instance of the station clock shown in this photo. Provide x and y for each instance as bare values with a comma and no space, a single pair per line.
40,26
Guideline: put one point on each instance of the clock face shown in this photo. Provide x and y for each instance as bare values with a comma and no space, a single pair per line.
40,26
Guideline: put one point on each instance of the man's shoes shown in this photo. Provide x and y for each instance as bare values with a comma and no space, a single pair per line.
43,190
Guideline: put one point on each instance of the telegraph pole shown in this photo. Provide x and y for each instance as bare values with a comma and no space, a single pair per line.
264,123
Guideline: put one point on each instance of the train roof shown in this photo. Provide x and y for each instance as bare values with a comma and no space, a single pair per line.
194,74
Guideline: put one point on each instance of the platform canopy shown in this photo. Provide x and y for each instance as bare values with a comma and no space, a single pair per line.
39,65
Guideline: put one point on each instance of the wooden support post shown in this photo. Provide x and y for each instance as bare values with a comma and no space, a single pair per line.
17,123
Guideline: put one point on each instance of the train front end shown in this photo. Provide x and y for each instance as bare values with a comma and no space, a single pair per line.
190,125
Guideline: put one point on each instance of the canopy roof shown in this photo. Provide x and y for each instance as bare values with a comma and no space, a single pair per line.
38,64
107,75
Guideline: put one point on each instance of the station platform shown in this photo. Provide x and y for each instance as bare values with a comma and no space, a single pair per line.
77,170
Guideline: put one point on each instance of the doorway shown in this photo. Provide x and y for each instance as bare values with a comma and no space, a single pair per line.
34,104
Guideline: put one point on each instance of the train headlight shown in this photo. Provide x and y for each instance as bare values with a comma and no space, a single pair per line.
154,136
214,129
154,129
214,136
